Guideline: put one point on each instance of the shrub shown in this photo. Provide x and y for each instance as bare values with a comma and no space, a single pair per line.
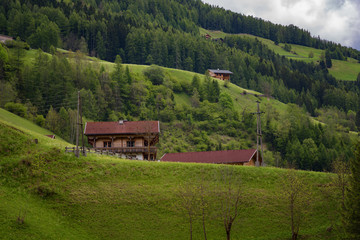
40,120
155,74
16,108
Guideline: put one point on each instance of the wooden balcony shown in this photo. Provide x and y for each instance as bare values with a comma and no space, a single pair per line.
126,149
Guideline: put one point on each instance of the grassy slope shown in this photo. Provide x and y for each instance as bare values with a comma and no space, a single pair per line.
25,124
341,70
240,101
346,71
98,197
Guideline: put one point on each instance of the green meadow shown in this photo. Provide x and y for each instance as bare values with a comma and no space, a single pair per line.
46,193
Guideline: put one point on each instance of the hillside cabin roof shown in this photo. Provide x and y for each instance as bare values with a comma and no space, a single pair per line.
236,157
220,74
122,127
220,71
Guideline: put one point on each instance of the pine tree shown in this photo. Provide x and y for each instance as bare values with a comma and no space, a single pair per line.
357,120
351,216
328,59
358,80
100,46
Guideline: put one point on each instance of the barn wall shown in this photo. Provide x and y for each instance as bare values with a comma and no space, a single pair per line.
250,163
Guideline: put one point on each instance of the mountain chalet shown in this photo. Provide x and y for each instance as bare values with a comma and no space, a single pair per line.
137,140
130,139
220,74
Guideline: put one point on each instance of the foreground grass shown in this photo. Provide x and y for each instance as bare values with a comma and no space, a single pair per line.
99,197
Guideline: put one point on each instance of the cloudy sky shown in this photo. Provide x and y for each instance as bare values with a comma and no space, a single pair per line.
334,20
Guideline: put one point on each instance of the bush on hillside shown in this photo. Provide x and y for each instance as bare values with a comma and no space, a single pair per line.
155,74
16,108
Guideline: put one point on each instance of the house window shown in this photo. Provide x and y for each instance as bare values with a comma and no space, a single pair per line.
107,144
145,143
130,143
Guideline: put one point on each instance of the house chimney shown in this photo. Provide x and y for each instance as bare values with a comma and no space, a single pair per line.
121,122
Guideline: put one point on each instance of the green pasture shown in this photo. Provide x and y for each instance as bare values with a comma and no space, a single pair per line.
100,197
345,70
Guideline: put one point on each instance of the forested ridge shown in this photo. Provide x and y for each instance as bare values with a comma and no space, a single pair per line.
166,33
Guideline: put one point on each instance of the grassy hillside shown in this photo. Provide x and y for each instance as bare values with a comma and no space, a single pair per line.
98,197
341,70
240,99
25,124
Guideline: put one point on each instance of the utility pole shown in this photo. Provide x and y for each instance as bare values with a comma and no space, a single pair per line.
82,131
258,134
77,127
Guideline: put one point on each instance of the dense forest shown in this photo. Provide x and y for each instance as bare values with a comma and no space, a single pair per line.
100,27
166,33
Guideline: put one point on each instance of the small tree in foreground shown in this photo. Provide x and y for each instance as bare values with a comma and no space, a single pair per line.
341,181
230,199
334,192
194,201
296,199
351,216
188,203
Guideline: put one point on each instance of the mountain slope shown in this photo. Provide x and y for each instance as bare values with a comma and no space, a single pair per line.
219,116
98,197
346,70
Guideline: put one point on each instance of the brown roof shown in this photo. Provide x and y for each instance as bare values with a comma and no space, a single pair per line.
220,71
126,127
228,156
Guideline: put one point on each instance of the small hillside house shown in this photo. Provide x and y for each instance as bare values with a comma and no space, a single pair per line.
233,157
4,38
220,74
130,139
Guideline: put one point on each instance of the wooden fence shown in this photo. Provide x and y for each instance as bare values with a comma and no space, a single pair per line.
111,151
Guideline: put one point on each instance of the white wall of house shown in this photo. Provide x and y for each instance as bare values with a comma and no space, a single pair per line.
138,156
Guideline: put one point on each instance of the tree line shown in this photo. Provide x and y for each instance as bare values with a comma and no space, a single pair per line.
100,28
45,91
151,32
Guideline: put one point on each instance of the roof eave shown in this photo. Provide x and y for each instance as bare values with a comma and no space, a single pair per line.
90,134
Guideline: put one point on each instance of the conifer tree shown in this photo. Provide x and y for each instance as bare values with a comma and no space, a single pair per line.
357,120
358,80
328,59
351,216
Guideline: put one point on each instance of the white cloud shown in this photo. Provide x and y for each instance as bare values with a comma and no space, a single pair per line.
334,20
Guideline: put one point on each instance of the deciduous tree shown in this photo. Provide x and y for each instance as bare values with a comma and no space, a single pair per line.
188,202
231,199
296,200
